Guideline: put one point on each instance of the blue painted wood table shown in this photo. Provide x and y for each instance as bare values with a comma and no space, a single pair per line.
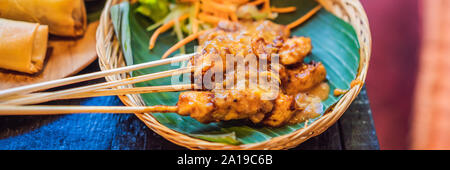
355,130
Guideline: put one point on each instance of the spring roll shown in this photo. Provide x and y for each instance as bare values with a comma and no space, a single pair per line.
63,17
23,45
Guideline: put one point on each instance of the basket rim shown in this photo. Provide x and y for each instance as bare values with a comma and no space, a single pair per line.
350,11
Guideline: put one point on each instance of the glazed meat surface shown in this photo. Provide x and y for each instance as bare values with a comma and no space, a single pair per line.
283,110
209,107
303,78
294,50
233,43
198,105
260,40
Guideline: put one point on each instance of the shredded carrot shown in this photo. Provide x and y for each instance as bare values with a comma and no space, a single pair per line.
224,16
217,7
195,21
164,28
284,10
208,10
233,17
239,2
187,1
213,11
181,43
304,18
257,2
209,18
266,6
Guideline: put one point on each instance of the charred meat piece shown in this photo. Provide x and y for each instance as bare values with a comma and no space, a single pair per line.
303,78
209,107
239,104
262,49
269,31
198,105
294,50
250,46
243,39
283,110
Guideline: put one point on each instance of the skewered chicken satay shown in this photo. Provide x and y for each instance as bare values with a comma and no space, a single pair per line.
234,43
239,41
243,39
209,107
303,78
294,50
261,39
283,110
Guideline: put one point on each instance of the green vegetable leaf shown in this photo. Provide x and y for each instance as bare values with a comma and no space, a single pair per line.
120,16
154,9
219,137
335,45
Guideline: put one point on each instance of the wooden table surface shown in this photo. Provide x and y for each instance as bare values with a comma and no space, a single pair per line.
355,130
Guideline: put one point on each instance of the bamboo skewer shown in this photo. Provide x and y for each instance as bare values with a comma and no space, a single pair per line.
90,76
61,94
58,110
18,96
70,80
113,92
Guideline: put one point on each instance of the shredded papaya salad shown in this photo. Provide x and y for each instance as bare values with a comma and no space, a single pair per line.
193,17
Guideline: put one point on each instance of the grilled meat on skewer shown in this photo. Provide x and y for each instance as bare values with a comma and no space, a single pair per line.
207,107
244,42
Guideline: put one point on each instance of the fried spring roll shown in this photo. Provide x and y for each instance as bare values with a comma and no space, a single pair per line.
23,45
63,17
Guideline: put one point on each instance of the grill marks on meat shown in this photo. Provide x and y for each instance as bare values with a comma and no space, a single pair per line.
238,104
282,112
244,38
294,50
207,107
222,106
198,105
262,39
303,78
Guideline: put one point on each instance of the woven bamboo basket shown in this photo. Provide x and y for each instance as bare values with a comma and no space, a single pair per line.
110,56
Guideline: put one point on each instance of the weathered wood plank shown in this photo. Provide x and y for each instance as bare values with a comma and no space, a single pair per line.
328,140
356,125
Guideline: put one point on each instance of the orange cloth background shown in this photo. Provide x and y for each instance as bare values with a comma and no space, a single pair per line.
431,124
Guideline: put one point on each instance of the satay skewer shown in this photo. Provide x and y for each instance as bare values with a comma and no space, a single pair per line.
60,110
90,76
45,97
70,80
203,106
114,92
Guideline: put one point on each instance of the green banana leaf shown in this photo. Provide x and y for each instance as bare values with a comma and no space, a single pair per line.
335,45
